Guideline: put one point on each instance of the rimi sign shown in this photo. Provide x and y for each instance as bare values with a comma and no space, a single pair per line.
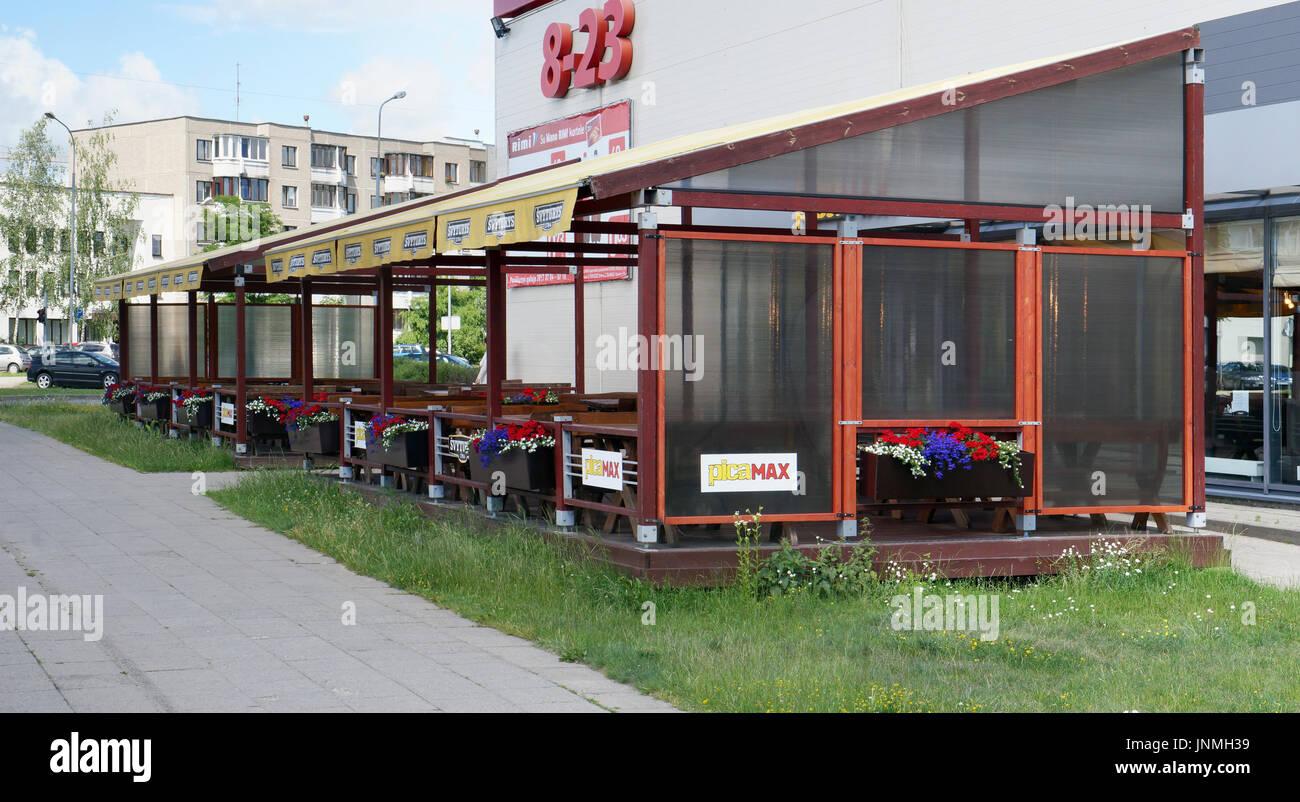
606,56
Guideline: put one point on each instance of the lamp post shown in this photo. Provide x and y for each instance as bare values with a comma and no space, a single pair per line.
379,147
72,233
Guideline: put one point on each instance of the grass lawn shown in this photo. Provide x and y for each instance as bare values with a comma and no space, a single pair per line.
92,428
1163,638
30,388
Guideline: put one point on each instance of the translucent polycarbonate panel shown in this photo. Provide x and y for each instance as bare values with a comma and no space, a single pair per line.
267,344
343,342
173,339
1112,380
749,380
938,333
137,318
1116,137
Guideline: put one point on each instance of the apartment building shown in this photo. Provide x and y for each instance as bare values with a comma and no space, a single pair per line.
307,176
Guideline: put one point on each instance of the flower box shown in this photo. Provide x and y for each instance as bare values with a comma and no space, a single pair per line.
154,410
524,470
124,407
409,450
260,425
884,477
198,417
322,439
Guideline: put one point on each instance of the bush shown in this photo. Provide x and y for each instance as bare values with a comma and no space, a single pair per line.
406,369
827,575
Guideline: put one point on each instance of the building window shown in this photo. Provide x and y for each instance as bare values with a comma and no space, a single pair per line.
324,156
200,233
477,172
288,156
289,197
324,196
374,166
352,203
374,202
253,189
252,147
352,165
453,173
203,150
202,191
290,228
157,246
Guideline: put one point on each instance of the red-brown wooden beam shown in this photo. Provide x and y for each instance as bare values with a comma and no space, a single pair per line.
306,342
433,336
153,338
647,383
192,336
123,340
834,129
385,338
241,381
579,332
1194,190
496,333
938,210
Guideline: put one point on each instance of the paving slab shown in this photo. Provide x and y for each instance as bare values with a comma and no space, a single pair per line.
204,611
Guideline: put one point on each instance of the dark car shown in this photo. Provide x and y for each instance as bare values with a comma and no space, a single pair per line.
453,359
67,367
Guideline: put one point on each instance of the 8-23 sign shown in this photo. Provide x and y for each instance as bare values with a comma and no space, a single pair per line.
607,28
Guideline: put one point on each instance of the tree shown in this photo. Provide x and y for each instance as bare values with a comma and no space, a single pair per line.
470,303
34,214
229,221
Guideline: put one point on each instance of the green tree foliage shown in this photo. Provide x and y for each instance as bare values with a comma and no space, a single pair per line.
470,303
227,220
34,217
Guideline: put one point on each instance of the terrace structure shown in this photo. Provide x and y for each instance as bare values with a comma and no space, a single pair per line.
771,354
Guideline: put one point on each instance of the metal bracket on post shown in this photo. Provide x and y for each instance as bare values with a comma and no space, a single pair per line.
647,533
437,458
565,519
494,504
1194,65
847,528
241,448
647,221
1189,220
1196,520
1026,524
652,197
566,450
173,434
848,227
216,442
436,492
308,464
1026,236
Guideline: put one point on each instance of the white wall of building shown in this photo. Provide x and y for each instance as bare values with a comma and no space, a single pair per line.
704,64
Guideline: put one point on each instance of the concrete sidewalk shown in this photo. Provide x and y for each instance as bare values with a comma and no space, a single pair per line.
204,611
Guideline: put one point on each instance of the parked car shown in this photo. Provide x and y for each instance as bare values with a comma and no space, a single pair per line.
68,367
13,359
453,359
109,350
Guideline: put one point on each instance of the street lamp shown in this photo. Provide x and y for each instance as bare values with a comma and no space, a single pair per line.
379,147
72,233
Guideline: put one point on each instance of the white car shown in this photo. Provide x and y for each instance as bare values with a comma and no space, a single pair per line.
13,359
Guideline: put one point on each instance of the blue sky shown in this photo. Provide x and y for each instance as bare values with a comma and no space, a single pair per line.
333,60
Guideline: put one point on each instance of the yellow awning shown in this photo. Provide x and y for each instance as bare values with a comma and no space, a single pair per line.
381,238
491,222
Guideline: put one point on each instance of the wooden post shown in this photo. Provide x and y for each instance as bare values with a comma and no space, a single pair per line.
385,340
647,384
306,344
192,336
241,381
496,332
433,336
579,332
153,338
1194,189
123,340
214,337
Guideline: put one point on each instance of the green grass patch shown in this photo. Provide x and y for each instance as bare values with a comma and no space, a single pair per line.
406,369
97,431
1163,638
30,388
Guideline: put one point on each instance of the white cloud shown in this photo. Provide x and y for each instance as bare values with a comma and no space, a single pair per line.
32,83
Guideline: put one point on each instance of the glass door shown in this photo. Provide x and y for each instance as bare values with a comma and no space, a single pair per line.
1234,310
1284,354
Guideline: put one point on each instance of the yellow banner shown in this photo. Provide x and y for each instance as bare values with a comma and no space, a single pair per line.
311,259
507,222
404,243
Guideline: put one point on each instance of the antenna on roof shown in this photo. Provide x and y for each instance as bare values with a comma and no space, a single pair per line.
236,91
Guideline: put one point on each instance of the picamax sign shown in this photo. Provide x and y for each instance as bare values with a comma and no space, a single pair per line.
748,473
602,469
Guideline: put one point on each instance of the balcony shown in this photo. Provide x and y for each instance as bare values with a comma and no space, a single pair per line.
406,183
237,166
324,214
329,175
